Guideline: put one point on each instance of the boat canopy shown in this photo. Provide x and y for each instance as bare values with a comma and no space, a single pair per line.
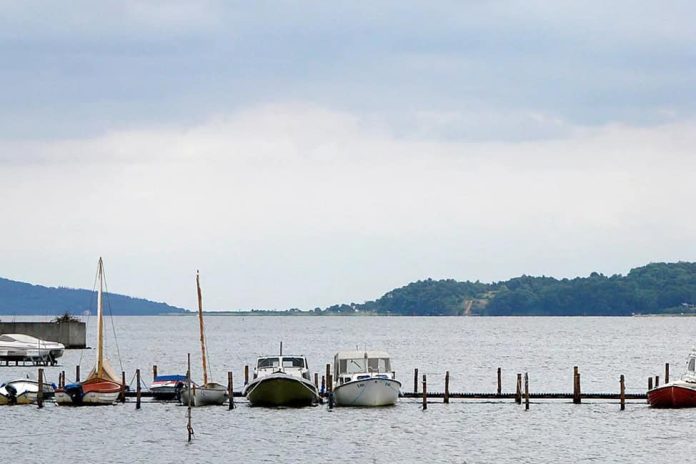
353,362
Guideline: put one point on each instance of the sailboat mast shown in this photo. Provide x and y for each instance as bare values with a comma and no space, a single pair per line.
200,320
100,321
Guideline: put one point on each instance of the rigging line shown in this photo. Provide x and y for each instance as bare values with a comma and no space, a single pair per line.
113,326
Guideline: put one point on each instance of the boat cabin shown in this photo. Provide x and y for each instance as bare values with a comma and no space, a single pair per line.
361,365
690,374
292,365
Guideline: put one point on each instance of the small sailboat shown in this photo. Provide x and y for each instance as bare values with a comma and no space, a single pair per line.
281,381
364,379
210,393
101,387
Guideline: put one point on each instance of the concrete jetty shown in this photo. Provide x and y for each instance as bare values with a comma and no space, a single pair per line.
72,334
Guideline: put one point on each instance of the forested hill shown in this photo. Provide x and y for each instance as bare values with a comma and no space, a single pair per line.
21,298
657,288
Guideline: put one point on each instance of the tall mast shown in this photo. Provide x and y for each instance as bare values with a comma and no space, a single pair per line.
100,321
200,320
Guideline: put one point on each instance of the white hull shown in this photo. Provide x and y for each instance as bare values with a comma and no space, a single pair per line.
369,392
280,389
24,391
89,399
211,394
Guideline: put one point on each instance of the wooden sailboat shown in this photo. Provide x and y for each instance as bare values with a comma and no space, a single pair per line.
101,385
210,392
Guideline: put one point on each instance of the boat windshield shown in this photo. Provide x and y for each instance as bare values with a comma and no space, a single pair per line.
293,362
357,365
268,362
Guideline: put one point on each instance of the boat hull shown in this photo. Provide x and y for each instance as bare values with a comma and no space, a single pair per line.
93,392
23,391
211,394
281,390
678,394
367,393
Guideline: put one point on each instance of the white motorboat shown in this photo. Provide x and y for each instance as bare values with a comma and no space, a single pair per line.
364,378
23,391
167,387
209,393
282,380
20,347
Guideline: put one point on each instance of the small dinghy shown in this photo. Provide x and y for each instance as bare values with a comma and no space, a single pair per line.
167,387
23,391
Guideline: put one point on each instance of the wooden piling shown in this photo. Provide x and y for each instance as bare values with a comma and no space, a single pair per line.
425,393
246,375
500,382
189,427
576,386
329,379
77,374
666,372
39,394
526,391
446,399
657,381
137,389
518,390
623,392
316,379
329,382
230,391
650,384
323,385
415,381
154,371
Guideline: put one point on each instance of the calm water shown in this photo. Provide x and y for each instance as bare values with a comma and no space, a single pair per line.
463,431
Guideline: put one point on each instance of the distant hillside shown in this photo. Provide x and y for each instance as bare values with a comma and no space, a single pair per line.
658,288
22,298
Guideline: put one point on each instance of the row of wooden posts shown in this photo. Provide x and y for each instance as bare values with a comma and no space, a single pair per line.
327,382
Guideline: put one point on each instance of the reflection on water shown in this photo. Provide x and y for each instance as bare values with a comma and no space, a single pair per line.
463,431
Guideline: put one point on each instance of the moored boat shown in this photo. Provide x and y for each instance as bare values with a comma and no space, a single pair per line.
364,378
23,391
21,347
282,380
209,393
167,387
101,387
679,393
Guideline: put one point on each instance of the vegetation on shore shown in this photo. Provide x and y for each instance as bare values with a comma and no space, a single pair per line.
658,288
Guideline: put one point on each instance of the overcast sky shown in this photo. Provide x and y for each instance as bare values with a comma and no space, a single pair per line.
303,154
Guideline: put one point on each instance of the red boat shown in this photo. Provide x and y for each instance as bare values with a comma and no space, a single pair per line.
678,394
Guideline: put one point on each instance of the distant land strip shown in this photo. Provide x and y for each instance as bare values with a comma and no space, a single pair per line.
657,288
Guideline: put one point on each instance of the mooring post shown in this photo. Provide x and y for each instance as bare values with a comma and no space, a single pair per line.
415,381
622,395
446,400
189,394
666,372
649,383
316,379
137,389
526,391
39,394
122,398
425,393
230,391
323,385
77,374
576,385
500,383
518,390
329,379
154,371
657,381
